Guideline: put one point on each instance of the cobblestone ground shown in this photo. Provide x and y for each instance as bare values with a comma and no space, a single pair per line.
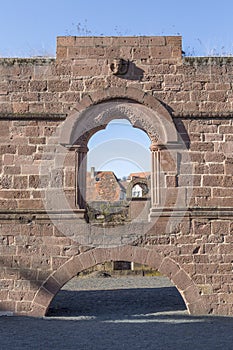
117,313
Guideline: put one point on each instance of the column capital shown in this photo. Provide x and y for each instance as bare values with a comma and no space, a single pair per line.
81,148
78,148
155,146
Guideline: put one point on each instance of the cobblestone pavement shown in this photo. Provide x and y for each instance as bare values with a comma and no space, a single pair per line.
117,313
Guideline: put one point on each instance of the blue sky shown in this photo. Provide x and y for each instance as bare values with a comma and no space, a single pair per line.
120,148
29,28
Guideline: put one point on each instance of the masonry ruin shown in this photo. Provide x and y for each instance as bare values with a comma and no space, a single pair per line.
49,109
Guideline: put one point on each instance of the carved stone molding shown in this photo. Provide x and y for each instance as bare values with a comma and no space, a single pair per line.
159,127
82,125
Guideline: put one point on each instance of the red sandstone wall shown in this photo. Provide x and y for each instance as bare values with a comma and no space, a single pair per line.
36,95
194,89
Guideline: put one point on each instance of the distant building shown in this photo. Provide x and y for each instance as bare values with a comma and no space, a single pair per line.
104,186
142,174
138,185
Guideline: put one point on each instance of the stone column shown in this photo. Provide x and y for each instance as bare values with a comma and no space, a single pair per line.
81,172
155,174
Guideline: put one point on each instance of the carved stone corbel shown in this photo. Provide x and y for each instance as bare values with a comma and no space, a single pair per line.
119,66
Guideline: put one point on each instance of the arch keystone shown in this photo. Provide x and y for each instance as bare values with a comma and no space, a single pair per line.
123,253
135,94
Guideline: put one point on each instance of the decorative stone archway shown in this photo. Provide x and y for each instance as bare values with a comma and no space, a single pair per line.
150,257
144,112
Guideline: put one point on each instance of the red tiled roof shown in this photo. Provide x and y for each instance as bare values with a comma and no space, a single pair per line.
103,186
140,174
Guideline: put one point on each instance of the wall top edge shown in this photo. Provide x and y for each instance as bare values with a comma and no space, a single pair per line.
34,61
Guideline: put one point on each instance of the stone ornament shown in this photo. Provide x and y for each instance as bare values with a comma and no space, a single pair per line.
119,66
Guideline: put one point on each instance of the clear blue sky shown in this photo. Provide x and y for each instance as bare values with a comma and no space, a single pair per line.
120,148
30,27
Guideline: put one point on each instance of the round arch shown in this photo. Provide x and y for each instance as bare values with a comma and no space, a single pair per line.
150,257
137,181
96,110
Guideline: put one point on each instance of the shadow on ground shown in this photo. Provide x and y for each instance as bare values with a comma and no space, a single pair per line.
153,318
109,304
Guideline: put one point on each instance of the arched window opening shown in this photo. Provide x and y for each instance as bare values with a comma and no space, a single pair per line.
116,156
154,121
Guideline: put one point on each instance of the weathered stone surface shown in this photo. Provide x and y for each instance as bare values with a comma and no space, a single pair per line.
44,237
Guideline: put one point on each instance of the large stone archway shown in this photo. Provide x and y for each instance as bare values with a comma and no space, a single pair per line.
90,115
151,257
145,112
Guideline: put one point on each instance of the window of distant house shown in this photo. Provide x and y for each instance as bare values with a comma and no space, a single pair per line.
136,191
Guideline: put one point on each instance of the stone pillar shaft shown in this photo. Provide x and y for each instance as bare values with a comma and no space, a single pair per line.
155,193
155,174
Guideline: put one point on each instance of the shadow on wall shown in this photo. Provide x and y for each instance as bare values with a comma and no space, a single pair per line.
134,72
182,131
126,70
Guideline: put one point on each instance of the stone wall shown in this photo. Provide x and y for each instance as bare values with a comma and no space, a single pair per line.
45,239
